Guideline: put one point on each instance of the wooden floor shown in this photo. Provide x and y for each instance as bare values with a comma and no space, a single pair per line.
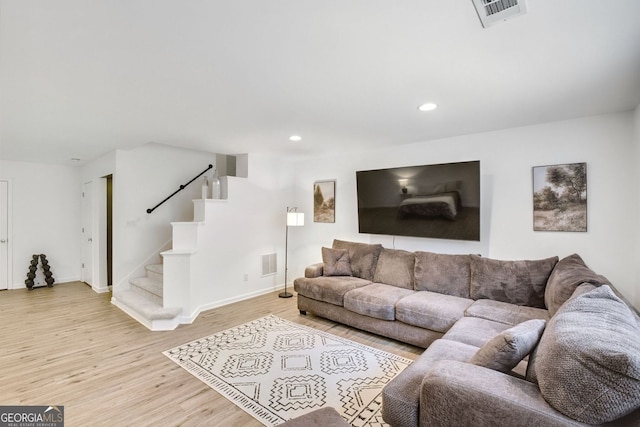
69,346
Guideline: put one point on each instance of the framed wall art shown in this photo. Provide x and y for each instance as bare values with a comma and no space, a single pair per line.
324,201
560,197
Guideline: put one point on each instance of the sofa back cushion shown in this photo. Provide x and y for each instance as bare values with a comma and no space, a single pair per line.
588,360
567,275
515,282
363,256
395,267
443,273
531,366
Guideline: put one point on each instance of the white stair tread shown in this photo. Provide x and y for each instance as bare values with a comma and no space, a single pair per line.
148,284
147,308
156,268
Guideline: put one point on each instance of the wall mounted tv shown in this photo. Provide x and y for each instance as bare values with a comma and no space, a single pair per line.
440,201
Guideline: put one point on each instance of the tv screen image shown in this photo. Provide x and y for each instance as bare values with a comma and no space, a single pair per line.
441,201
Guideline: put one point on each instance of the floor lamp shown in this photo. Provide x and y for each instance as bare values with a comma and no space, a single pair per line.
294,219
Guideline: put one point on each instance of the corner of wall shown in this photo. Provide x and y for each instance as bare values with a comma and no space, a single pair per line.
636,116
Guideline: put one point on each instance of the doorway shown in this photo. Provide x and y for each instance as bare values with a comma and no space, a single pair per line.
97,233
87,233
109,230
5,262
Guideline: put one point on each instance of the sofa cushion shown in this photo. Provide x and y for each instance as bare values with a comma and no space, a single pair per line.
588,360
504,312
431,310
335,262
516,282
363,257
375,300
443,273
530,374
567,275
395,267
475,331
504,351
401,397
328,289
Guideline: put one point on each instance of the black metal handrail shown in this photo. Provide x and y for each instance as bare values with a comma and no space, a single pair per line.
182,187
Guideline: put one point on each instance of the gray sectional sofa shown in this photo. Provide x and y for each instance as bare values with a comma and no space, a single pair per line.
508,343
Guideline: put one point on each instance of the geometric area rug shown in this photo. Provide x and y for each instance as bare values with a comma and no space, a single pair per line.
276,370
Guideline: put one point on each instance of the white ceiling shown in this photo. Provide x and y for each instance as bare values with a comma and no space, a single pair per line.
80,78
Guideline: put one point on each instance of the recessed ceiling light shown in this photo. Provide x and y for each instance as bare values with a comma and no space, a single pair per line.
75,159
429,106
295,138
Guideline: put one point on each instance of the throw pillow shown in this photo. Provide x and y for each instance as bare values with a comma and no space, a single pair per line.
588,360
515,282
335,262
504,351
567,275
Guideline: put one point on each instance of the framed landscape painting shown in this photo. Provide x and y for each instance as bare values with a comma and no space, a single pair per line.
560,197
324,201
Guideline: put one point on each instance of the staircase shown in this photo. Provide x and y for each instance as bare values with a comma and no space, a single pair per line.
144,302
174,292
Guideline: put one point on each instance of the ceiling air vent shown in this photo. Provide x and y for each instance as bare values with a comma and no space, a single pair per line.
493,11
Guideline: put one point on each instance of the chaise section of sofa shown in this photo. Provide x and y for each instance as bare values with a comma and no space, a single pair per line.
577,375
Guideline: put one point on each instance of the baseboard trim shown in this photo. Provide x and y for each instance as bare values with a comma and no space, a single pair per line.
188,319
171,324
99,290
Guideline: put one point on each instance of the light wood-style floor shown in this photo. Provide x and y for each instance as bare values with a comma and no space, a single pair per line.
69,346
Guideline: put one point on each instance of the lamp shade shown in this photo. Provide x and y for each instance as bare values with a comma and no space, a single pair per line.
295,219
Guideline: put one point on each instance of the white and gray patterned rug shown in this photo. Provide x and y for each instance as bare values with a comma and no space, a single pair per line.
276,370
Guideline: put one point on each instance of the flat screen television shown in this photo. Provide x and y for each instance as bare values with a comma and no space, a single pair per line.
441,201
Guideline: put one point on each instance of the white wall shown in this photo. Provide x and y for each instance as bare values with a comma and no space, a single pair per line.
636,180
99,168
606,143
46,218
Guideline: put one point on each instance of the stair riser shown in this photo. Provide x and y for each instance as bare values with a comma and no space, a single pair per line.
155,276
151,296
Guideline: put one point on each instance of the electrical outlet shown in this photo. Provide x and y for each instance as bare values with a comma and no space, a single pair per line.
246,277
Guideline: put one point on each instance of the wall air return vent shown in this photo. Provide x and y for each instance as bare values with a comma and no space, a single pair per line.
492,12
269,264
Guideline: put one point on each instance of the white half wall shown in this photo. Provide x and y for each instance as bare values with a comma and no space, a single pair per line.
236,233
46,218
606,143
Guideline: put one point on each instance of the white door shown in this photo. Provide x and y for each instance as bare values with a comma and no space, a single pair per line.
87,236
4,235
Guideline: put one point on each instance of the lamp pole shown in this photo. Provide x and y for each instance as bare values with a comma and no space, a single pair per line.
286,294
